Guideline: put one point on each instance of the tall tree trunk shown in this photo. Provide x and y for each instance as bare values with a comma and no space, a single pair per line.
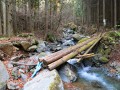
46,18
0,19
10,20
4,17
115,14
14,17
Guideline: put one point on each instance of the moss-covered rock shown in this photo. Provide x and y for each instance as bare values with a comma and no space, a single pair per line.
71,25
103,59
46,80
50,37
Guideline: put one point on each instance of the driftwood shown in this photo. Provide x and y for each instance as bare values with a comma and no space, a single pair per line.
52,58
70,55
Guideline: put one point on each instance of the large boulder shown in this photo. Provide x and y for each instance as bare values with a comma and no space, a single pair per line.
7,48
4,76
25,45
46,80
68,73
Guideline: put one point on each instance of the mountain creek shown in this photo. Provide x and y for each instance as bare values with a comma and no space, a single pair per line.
100,72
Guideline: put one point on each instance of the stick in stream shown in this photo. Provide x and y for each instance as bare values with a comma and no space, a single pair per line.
69,56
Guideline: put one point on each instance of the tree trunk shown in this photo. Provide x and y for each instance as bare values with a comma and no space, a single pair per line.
46,18
115,14
0,19
10,20
4,17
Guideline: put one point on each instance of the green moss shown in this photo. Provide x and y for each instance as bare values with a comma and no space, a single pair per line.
104,60
55,84
82,40
50,37
107,51
25,35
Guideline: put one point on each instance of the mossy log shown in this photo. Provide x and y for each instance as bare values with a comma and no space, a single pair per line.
70,55
55,56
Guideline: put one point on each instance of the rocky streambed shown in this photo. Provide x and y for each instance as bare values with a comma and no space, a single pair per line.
20,54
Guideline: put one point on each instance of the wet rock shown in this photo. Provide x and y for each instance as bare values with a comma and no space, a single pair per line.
77,37
42,46
16,58
46,80
4,76
7,48
12,86
68,43
32,48
67,73
103,60
25,45
96,84
87,62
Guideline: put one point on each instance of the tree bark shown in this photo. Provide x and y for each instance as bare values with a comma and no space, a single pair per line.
10,20
0,19
4,16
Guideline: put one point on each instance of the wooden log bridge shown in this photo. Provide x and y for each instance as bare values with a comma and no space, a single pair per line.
54,60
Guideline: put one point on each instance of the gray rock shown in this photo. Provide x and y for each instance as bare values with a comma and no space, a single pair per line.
68,73
12,86
25,45
46,80
41,46
96,84
32,48
77,37
4,76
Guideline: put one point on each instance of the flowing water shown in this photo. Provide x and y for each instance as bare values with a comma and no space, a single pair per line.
95,79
